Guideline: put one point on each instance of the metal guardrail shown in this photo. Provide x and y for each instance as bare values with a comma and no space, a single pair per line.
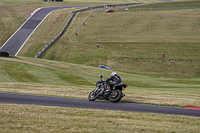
67,24
96,7
56,38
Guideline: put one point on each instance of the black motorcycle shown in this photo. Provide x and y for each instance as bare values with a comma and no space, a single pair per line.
102,93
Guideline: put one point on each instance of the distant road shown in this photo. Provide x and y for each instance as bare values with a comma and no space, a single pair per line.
82,103
14,44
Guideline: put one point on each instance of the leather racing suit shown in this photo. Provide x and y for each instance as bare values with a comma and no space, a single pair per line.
115,80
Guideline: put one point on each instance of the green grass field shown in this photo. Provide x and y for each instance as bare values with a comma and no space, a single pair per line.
25,118
45,77
52,78
131,43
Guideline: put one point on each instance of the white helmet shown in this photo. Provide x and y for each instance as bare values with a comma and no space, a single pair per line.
113,73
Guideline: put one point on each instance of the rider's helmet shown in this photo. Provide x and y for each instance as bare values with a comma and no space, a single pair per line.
113,73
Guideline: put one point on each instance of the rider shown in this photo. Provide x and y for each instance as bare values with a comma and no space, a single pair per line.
116,79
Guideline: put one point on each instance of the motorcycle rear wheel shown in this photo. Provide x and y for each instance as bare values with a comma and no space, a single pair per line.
93,95
116,96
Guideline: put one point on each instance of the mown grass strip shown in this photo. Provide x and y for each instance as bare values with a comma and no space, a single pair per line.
23,118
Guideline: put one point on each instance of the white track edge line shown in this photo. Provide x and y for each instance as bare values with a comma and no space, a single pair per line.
32,33
35,29
16,31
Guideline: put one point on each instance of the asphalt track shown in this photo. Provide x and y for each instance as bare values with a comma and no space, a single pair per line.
14,44
82,103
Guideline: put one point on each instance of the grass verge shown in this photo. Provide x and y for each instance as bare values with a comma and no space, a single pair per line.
29,118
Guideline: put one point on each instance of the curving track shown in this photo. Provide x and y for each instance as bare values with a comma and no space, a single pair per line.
14,44
82,103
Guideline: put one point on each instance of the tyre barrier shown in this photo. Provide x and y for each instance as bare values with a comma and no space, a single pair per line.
4,54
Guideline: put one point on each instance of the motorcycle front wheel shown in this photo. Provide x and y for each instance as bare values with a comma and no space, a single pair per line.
116,96
93,95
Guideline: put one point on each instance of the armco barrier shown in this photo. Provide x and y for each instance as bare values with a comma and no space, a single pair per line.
96,7
57,37
73,14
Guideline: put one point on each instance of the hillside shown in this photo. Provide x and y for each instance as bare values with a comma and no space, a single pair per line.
132,41
14,13
69,67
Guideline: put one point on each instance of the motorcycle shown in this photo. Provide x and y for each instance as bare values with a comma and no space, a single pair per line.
101,92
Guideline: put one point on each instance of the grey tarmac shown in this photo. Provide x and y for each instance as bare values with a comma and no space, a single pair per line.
12,98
